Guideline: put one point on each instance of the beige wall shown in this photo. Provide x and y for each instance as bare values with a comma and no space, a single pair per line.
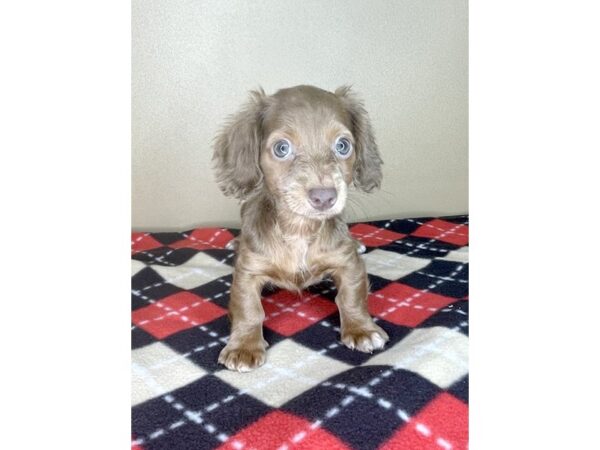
194,61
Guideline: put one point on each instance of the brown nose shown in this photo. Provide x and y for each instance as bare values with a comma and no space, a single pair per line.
322,198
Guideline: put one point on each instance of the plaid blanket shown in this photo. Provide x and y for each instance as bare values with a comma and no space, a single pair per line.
313,392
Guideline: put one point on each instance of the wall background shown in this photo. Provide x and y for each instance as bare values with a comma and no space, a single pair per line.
194,61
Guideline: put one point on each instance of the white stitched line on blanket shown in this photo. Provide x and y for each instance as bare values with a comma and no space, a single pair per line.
426,432
420,246
439,277
139,238
372,234
220,339
306,361
398,256
176,312
394,258
357,391
346,401
364,392
168,253
326,324
189,237
186,355
160,305
220,231
298,437
457,311
416,294
161,257
167,308
402,414
443,443
402,303
188,273
275,313
428,225
278,375
190,416
224,339
209,242
384,403
215,405
294,306
138,293
157,258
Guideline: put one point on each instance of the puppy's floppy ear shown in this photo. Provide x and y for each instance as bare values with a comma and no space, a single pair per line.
237,148
367,167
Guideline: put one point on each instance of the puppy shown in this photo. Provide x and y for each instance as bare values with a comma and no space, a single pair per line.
290,159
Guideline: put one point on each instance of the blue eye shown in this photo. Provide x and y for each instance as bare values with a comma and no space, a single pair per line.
282,149
343,147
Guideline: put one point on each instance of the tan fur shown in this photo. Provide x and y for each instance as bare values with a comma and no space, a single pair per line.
284,240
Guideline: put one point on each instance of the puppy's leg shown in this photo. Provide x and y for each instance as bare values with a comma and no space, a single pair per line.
246,347
358,331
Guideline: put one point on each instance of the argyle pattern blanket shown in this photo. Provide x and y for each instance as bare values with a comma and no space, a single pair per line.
312,392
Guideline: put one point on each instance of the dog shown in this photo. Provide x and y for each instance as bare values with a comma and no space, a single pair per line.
290,158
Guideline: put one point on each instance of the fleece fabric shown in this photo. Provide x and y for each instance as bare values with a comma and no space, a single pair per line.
312,392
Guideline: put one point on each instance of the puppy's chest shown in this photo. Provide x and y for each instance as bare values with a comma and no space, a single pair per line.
297,263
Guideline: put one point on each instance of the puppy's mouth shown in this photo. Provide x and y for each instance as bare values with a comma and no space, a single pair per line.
317,214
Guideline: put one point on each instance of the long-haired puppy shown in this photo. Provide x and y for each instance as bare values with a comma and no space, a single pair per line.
290,159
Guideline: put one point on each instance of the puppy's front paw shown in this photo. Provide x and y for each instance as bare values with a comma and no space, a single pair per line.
365,339
242,359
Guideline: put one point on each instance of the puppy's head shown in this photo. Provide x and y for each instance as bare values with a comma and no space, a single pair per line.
306,146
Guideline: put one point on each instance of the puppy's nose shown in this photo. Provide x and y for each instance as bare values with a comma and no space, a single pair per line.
322,198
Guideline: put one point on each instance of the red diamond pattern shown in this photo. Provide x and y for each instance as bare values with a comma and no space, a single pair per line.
279,428
204,239
287,313
175,313
143,241
405,305
309,417
374,236
443,231
442,424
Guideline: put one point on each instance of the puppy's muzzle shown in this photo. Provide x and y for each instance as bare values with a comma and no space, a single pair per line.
322,199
